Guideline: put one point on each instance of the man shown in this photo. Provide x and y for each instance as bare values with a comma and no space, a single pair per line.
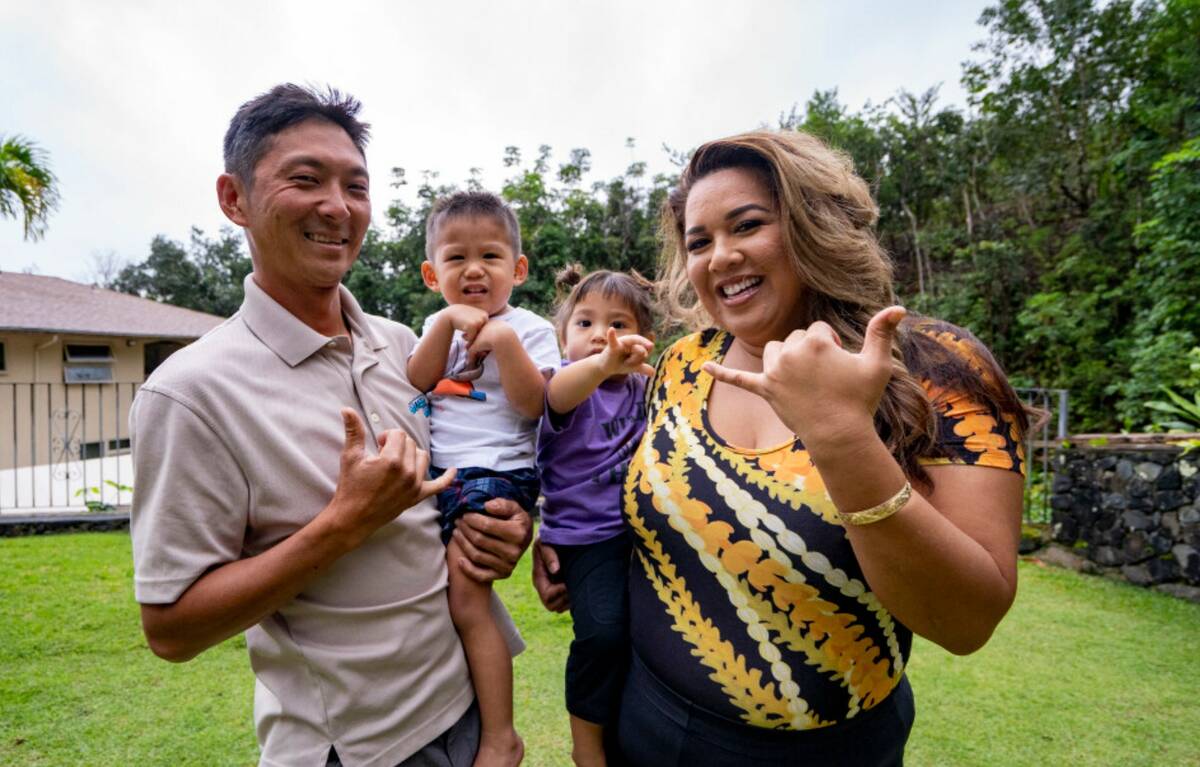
282,485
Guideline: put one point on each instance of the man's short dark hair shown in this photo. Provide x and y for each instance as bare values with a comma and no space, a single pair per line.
258,120
467,204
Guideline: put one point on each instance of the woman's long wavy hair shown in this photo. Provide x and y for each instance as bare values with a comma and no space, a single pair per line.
827,217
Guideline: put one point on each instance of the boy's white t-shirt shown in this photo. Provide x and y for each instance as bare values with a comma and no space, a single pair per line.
489,433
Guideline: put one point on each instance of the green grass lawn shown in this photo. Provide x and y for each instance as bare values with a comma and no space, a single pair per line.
1082,672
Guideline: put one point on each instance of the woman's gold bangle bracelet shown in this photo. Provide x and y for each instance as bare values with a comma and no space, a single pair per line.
880,512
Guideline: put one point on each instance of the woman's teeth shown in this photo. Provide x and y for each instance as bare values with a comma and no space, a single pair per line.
729,291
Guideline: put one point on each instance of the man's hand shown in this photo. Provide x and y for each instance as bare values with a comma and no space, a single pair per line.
545,566
467,319
493,543
372,490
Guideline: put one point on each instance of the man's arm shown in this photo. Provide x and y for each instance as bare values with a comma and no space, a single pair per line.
371,491
235,596
427,362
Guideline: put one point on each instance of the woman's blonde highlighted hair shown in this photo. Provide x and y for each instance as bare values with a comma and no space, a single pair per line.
826,214
826,218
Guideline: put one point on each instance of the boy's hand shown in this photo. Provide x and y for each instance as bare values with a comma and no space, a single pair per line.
491,336
625,355
468,319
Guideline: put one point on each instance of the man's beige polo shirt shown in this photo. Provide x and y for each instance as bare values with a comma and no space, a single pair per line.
237,441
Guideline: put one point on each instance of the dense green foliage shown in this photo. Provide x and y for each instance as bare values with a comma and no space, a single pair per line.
207,276
1081,672
1057,216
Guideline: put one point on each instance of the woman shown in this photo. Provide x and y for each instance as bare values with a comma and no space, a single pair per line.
820,477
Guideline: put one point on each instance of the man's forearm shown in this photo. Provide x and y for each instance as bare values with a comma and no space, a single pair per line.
235,596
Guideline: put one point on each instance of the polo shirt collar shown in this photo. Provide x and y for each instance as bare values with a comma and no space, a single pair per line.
283,332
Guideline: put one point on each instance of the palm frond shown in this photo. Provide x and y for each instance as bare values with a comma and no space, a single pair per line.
26,182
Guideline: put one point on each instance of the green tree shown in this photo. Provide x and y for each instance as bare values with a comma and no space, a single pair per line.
223,268
1052,94
28,189
1055,216
1167,318
607,224
167,275
206,276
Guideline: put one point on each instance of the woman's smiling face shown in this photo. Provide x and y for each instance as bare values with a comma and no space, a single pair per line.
736,260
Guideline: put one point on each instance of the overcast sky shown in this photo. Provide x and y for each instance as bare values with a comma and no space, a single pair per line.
131,99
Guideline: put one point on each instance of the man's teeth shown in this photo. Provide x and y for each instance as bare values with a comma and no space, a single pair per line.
323,239
737,287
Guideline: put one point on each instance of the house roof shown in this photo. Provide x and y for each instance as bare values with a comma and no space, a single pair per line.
33,303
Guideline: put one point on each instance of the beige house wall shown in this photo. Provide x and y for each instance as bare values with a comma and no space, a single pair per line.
46,421
38,357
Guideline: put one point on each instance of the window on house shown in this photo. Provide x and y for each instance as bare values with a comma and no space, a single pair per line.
3,369
87,363
100,449
87,353
156,353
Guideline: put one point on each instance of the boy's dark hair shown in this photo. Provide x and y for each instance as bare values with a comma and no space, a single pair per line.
471,204
258,120
629,287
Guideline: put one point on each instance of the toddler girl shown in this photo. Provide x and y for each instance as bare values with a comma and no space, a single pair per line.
594,418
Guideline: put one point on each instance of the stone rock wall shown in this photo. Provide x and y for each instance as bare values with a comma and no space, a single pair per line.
44,524
1131,509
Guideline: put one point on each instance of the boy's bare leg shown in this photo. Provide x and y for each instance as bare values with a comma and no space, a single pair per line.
490,664
587,743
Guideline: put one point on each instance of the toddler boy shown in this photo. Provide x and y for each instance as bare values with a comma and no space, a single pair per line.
483,366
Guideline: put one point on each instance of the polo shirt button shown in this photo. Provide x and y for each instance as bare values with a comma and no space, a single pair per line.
374,417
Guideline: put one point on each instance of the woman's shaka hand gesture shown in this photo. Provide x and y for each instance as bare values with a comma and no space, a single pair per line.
817,388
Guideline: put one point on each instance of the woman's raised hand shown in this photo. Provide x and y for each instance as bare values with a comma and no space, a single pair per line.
818,389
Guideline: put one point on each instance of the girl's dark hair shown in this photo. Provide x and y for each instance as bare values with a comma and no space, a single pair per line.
632,288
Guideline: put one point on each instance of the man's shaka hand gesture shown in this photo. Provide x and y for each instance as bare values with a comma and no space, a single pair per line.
373,490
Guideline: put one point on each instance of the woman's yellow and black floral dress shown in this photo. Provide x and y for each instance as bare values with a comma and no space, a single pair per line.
746,598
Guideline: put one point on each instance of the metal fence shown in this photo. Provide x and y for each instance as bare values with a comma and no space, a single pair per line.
65,446
1041,440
